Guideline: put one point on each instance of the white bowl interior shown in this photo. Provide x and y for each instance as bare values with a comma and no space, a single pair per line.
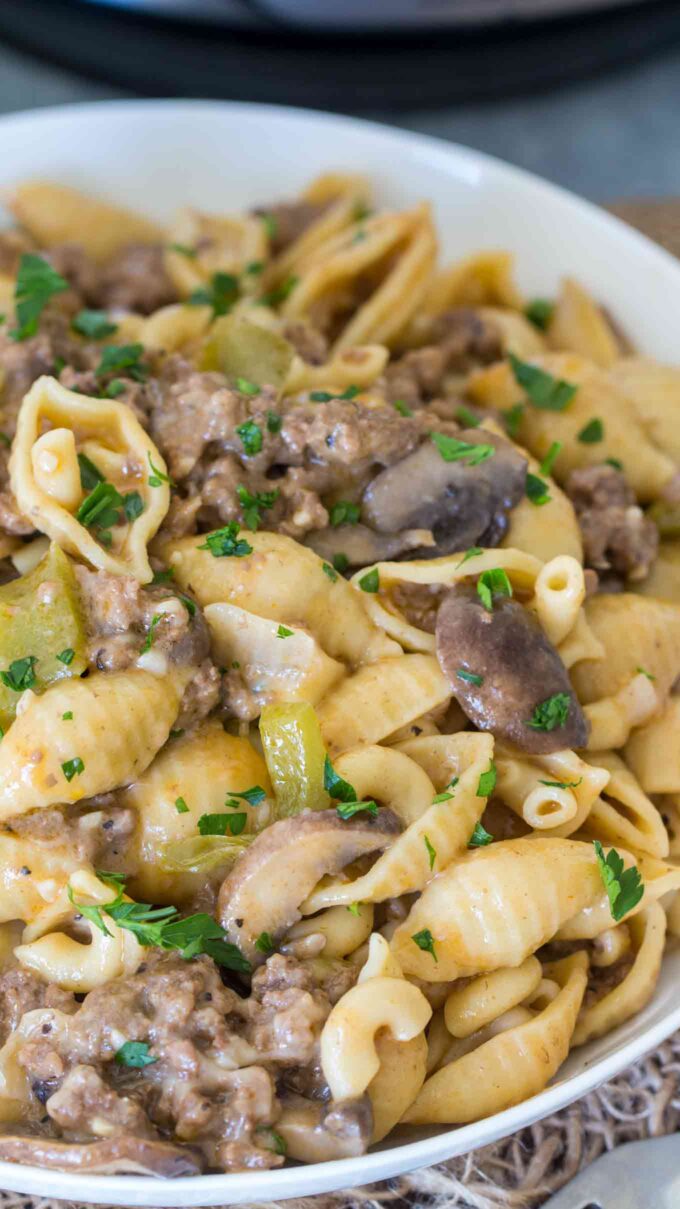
158,155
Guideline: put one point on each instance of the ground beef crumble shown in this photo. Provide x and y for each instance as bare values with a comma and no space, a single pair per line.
617,536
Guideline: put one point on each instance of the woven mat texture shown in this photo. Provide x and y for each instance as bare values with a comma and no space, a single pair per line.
522,1171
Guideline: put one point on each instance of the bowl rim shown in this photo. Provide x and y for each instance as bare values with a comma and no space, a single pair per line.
282,1183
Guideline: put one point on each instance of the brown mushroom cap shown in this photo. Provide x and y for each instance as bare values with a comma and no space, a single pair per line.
124,1155
362,545
463,505
519,668
316,1132
280,869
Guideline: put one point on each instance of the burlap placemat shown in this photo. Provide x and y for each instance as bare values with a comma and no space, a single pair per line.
522,1171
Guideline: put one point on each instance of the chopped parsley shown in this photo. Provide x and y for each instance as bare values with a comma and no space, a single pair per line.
347,810
226,543
340,562
344,513
480,837
66,656
624,886
133,506
551,713
251,437
545,391
453,450
465,416
277,1144
36,283
94,324
284,632
539,312
641,672
151,633
118,357
270,224
134,1054
512,418
114,389
184,249
280,292
469,677
325,396
431,852
492,583
247,387
330,572
425,941
222,824
537,490
550,457
20,674
444,796
255,503
68,716
562,784
162,926
264,943
370,582
164,576
157,476
334,784
254,267
99,509
274,421
5,440
592,432
487,781
473,552
253,796
181,806
221,294
615,463
73,768
354,908
402,408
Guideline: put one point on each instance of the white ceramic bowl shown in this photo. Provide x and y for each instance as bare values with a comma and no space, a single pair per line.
156,155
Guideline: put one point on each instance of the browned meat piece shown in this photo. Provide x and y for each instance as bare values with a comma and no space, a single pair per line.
22,991
22,361
97,830
343,433
85,1104
135,280
516,673
310,343
462,504
617,536
191,410
459,340
290,1013
134,394
120,614
72,261
200,697
289,220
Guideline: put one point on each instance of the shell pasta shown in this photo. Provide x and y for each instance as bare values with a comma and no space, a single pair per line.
339,653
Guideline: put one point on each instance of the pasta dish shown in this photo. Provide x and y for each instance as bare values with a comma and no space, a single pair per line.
340,599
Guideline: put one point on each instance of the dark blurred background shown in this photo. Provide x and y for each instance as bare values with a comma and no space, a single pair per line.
585,92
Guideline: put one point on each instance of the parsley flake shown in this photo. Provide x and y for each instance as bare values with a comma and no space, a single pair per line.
222,824
68,716
615,463
253,796
539,312
254,504
280,292
480,837
247,387
344,513
562,784
545,391
624,886
592,432
431,852
264,943
66,656
425,941
641,672
347,810
20,674
284,632
94,324
73,768
473,552
181,806
36,283
221,294
251,437
402,408
469,677
453,450
117,357
184,250
334,784
492,583
512,418
444,796
340,562
157,476
330,572
466,416
537,490
370,582
151,633
550,457
274,421
134,1054
133,506
487,781
551,713
226,543
354,908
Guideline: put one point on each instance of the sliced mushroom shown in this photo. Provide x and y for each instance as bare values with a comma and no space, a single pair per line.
463,505
316,1132
111,1156
361,545
266,886
518,669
